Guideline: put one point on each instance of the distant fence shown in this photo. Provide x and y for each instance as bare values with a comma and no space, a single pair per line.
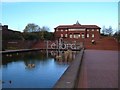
45,44
17,44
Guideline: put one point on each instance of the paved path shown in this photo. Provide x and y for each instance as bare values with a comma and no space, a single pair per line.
99,69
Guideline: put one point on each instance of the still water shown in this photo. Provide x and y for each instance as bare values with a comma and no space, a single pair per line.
36,69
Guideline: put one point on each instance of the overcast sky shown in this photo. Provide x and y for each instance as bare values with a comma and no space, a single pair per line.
18,14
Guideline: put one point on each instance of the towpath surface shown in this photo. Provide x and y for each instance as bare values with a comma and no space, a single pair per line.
99,69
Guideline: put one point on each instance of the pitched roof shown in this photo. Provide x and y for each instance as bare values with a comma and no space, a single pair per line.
77,23
91,26
77,26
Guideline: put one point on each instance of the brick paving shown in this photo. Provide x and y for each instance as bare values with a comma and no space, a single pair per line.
99,69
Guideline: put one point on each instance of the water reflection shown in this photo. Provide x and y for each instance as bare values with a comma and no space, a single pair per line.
30,59
64,56
30,66
39,69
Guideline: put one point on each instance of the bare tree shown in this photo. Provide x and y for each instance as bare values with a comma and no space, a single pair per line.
109,31
103,30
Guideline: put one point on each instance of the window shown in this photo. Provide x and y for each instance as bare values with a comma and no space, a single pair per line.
61,35
79,35
83,35
65,35
93,35
66,30
92,29
97,29
56,29
61,29
76,35
87,29
70,35
87,35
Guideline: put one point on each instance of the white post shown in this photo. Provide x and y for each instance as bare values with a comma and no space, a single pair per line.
47,45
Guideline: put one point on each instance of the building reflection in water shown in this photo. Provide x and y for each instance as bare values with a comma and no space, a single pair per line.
24,68
64,56
32,59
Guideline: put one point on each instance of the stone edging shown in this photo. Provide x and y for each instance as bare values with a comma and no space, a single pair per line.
69,78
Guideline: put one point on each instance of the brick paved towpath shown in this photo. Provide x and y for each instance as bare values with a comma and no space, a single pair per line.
99,69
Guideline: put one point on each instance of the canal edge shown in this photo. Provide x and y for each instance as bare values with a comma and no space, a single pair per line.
69,79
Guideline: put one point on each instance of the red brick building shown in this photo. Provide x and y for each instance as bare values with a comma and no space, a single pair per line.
77,32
